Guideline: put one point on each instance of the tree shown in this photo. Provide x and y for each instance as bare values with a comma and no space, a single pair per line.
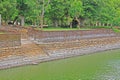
8,10
56,12
61,12
91,11
0,20
76,10
116,14
45,4
22,10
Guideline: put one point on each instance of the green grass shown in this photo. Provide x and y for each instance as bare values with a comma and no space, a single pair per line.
67,29
98,27
61,29
2,33
77,68
116,30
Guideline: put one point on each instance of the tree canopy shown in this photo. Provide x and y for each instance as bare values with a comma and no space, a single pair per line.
62,13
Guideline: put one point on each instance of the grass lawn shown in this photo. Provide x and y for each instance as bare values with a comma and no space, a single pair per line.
66,29
98,27
78,68
116,30
2,33
61,29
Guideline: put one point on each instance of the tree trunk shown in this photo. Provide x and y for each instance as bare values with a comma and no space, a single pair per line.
103,24
42,15
96,24
107,24
60,22
78,22
22,20
0,20
89,24
34,23
111,25
99,23
56,23
71,25
41,22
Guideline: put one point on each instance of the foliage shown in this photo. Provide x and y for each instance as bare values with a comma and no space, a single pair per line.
116,30
63,12
8,9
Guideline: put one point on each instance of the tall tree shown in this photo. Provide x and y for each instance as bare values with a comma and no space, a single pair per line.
0,20
76,10
23,9
57,11
91,9
8,9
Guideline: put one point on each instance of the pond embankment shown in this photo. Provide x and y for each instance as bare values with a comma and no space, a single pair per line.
55,53
47,46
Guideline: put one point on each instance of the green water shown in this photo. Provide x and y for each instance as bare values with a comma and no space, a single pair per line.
98,66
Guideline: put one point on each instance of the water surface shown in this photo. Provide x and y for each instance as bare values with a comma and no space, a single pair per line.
97,66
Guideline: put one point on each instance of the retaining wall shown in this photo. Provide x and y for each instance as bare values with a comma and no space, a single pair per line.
60,36
10,40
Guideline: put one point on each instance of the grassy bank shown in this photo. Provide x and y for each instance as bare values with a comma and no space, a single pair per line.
2,32
66,29
61,29
77,68
116,30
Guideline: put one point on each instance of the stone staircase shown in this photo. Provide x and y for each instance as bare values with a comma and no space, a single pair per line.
82,43
27,48
30,48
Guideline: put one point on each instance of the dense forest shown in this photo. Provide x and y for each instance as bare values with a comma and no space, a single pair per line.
61,13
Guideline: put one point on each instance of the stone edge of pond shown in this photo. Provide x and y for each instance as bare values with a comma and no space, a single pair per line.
55,55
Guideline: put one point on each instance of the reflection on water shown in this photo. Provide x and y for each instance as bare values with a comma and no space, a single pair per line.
110,72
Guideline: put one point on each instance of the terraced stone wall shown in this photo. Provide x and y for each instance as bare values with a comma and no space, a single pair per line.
60,36
10,40
85,43
9,29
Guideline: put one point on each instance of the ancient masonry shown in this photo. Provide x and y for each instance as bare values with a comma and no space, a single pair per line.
20,46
